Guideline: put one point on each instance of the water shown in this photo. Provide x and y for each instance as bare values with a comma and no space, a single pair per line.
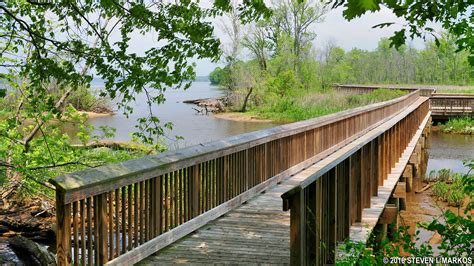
449,151
193,127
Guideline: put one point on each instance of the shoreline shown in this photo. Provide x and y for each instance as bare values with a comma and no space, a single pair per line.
241,117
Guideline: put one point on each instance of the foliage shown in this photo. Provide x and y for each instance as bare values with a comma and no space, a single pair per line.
85,99
218,76
455,16
456,233
48,50
463,125
448,187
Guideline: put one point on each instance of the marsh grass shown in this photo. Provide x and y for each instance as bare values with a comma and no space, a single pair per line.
309,104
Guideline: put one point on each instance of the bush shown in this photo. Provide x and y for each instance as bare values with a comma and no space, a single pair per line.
85,99
456,198
441,190
463,125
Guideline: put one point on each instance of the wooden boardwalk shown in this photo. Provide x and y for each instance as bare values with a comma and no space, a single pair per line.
283,195
257,232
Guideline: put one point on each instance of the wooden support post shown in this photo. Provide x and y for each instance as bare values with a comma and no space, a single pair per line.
389,214
356,204
408,175
331,217
312,211
297,229
63,239
102,227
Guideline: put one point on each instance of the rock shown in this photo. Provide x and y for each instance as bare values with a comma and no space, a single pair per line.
31,251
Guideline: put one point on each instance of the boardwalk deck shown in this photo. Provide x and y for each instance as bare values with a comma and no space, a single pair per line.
254,233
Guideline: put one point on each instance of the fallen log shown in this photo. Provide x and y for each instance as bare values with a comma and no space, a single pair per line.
423,189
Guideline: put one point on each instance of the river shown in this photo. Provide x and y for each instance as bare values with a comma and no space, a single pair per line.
195,128
449,151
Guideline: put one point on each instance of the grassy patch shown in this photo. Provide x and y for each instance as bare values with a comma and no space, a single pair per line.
306,105
449,187
462,125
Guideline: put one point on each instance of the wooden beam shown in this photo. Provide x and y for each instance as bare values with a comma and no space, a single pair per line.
389,214
400,190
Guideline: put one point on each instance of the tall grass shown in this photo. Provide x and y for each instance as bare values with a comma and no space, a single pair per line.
306,105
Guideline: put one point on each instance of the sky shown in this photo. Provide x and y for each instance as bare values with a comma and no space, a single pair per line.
358,33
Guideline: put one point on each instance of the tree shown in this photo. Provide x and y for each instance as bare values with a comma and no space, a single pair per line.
455,16
57,45
232,28
294,19
256,40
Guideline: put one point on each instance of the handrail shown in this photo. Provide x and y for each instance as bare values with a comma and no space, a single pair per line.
360,89
121,212
452,96
75,184
330,198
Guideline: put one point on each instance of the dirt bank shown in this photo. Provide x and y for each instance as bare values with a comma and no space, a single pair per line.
423,207
241,117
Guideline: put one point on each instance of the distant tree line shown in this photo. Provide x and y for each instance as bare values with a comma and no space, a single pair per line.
434,64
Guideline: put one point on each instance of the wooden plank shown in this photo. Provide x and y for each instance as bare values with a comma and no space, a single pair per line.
297,229
389,214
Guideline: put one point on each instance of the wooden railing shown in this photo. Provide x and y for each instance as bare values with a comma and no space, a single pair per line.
121,213
361,89
447,104
324,205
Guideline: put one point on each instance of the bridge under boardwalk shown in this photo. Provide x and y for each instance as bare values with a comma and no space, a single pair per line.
285,195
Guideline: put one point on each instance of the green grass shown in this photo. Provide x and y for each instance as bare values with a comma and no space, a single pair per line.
306,105
448,187
462,125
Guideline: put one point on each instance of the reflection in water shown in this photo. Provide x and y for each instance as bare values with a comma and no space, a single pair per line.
195,128
449,151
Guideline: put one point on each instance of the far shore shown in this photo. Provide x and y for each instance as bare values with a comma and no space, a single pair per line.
241,117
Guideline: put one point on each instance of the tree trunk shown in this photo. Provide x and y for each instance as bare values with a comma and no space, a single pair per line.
244,106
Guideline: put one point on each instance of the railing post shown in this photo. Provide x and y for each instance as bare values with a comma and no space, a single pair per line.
102,227
297,229
63,238
195,188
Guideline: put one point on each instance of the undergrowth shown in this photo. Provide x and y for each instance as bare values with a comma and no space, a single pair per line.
461,125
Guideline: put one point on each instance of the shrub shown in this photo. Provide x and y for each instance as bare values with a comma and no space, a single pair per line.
456,198
441,190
